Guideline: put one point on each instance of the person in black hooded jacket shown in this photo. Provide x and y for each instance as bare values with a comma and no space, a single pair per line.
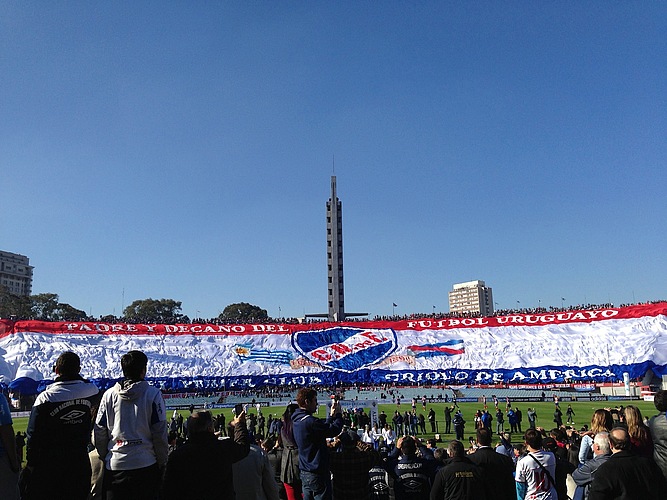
58,435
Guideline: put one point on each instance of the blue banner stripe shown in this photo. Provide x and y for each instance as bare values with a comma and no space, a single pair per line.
311,340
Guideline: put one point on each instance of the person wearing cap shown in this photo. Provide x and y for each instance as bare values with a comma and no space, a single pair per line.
58,435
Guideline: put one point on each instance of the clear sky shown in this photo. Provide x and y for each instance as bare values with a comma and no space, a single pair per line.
184,150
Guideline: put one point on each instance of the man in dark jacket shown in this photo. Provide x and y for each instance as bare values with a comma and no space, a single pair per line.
460,479
410,475
448,419
658,426
351,461
202,467
310,434
497,469
625,475
459,425
58,436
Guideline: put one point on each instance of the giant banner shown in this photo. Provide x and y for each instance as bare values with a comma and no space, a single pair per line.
573,346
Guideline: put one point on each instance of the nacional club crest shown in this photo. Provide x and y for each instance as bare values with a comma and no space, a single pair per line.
345,349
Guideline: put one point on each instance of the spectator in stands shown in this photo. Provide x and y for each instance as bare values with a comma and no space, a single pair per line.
58,436
640,434
505,447
600,422
560,438
658,427
351,461
202,467
583,476
9,464
310,434
131,433
563,466
274,452
497,469
536,471
460,479
253,477
411,475
289,464
626,475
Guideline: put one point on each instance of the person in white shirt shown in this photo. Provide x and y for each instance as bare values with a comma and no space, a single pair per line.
389,436
367,436
536,471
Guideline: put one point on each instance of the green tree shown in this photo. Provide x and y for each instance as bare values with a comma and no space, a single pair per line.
243,313
45,306
14,306
66,312
154,311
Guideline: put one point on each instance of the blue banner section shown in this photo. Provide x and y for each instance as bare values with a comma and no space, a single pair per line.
543,374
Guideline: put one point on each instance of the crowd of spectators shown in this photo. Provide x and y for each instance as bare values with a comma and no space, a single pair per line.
367,458
184,319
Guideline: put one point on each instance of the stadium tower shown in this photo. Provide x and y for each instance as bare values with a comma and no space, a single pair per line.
335,255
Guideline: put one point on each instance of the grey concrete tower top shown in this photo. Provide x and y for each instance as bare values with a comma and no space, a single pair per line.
336,293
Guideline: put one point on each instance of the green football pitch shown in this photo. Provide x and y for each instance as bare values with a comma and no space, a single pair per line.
583,412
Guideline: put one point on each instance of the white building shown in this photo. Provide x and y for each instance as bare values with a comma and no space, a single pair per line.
16,273
471,296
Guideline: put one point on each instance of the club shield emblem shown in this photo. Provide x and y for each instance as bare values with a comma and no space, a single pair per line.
345,349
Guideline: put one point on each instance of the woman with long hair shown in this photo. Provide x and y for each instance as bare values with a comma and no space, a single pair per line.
289,465
601,421
640,435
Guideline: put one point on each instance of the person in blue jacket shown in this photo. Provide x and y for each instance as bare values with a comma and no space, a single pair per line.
310,434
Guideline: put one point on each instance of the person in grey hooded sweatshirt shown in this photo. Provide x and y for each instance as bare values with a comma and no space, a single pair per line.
131,434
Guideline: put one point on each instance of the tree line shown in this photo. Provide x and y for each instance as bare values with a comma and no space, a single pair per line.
47,307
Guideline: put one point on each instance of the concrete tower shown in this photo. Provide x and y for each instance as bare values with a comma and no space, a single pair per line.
335,255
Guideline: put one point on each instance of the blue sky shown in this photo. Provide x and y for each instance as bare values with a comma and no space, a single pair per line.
184,150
